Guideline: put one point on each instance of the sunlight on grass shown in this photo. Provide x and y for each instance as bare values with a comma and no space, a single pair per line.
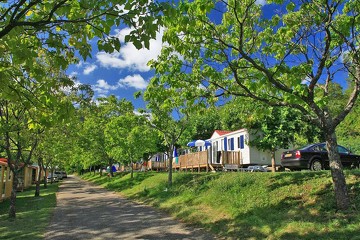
32,214
296,205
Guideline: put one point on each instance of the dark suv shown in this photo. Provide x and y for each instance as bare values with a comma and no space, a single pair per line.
315,157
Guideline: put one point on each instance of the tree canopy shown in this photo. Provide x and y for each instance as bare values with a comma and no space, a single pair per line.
286,58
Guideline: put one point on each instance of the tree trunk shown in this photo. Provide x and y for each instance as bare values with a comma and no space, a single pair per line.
37,188
341,193
45,177
45,181
12,210
132,170
111,170
170,167
273,163
52,177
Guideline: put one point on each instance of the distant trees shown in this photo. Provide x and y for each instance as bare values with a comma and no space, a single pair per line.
348,131
94,144
202,123
130,138
110,132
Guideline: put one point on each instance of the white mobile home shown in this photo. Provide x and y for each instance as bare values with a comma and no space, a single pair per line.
225,141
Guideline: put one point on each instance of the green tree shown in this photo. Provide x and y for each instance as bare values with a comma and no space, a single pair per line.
69,24
24,114
282,58
94,145
30,30
240,113
348,131
18,141
130,138
275,129
169,113
201,125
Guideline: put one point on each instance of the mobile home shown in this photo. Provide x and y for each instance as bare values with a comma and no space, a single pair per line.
238,141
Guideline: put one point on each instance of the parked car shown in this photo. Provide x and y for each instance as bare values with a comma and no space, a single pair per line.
58,174
53,177
315,157
64,174
257,168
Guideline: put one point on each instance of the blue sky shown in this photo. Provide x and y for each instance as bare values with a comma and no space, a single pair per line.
125,72
121,73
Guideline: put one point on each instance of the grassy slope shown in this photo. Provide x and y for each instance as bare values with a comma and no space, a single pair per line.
249,205
32,214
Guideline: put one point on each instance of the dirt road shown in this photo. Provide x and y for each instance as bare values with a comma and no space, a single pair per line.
85,211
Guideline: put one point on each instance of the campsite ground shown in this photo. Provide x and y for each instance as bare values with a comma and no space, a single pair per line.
87,211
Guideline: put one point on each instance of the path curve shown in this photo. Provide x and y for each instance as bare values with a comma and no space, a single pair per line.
86,211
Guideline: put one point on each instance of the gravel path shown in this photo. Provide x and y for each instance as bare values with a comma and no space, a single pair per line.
86,211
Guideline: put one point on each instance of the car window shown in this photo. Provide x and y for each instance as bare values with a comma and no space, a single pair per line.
319,148
323,148
342,150
316,148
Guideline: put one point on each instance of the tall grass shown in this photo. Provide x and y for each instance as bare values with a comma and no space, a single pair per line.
295,205
32,214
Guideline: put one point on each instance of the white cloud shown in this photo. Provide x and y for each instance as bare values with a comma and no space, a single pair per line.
145,114
306,81
261,2
100,91
73,74
67,89
89,69
136,81
122,33
102,88
112,60
80,64
104,85
129,57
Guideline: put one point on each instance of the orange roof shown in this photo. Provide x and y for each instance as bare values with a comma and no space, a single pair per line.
3,161
222,132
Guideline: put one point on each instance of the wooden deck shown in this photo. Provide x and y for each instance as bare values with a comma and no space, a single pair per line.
200,161
157,166
192,161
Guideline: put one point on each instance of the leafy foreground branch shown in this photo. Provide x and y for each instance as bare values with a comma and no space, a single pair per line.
297,205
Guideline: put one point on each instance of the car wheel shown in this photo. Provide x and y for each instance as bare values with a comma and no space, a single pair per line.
316,165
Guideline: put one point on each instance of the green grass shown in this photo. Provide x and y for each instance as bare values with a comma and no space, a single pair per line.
32,214
288,205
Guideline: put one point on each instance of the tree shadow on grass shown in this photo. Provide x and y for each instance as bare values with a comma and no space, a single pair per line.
32,214
307,214
287,220
290,178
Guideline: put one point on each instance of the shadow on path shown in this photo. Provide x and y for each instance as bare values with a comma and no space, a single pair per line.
85,211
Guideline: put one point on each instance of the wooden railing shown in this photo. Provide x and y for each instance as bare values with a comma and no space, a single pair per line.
231,157
192,159
199,159
157,165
